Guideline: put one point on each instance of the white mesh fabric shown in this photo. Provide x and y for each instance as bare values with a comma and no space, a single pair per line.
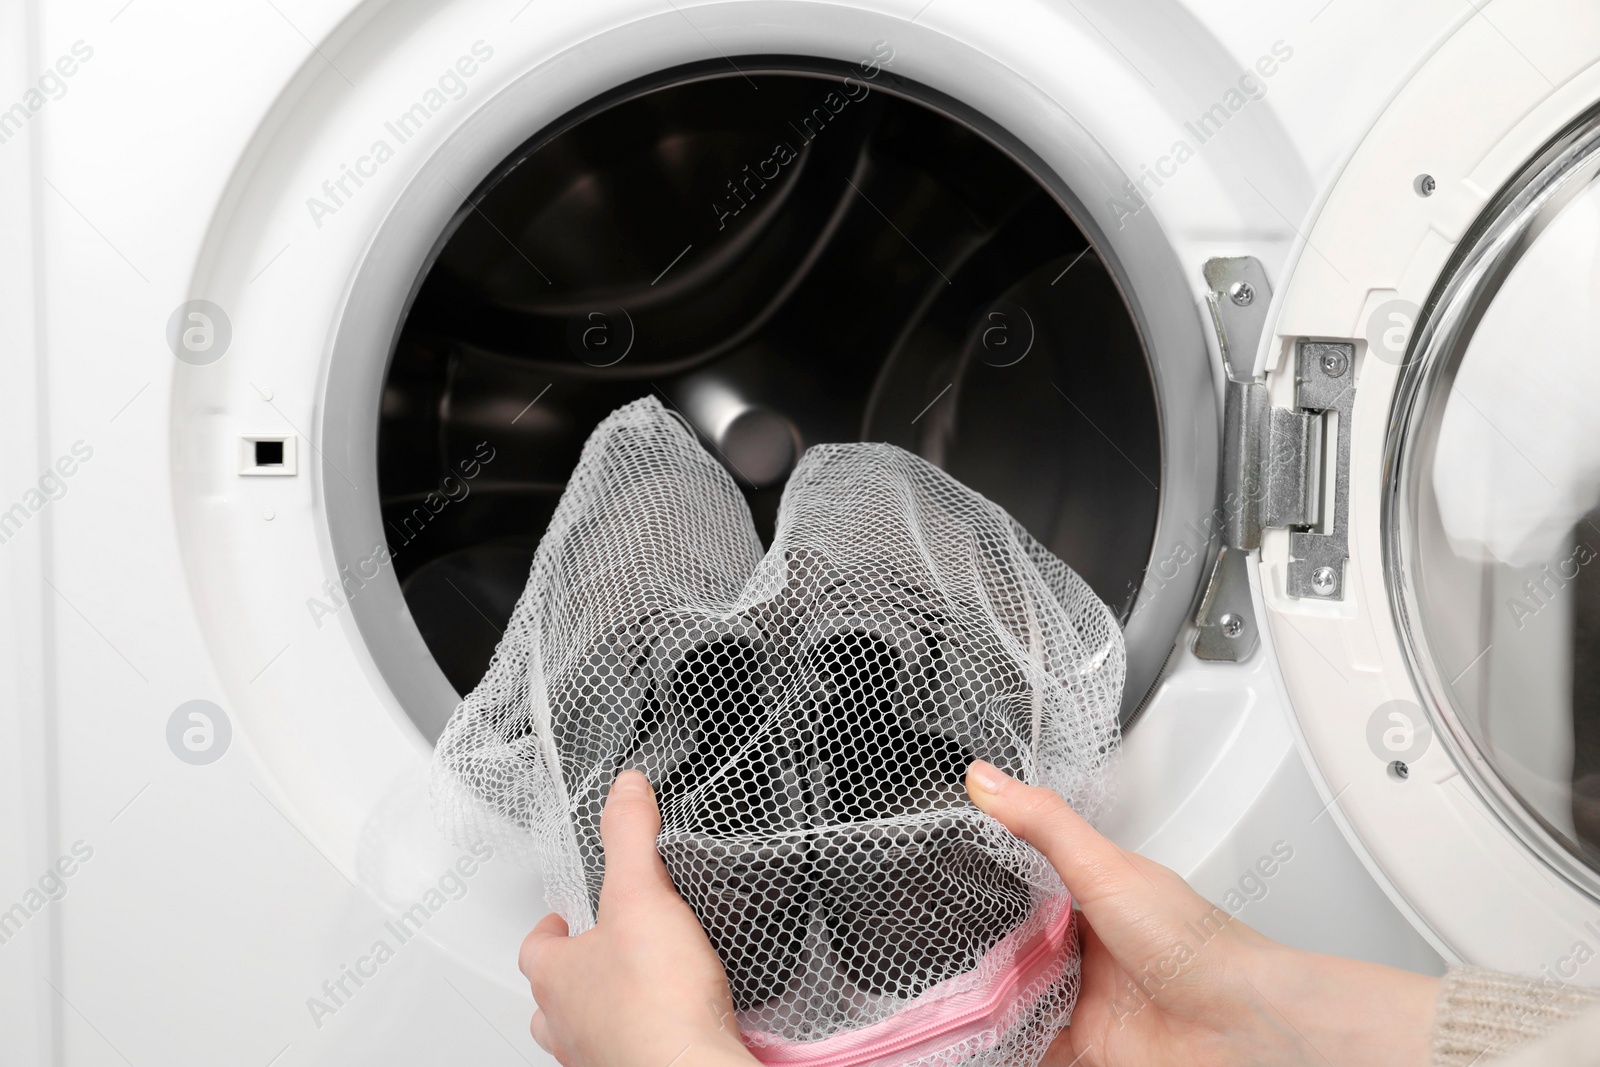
805,715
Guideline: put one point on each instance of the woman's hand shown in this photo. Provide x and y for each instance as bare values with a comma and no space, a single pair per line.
644,987
1169,978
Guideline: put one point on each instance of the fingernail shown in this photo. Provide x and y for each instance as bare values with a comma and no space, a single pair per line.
631,782
987,777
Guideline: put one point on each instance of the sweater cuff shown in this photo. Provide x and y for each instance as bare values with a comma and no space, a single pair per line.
1482,1014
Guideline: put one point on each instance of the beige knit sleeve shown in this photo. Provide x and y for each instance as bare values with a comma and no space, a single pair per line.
1481,1015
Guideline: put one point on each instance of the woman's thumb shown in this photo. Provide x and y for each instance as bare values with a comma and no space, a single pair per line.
1092,867
628,828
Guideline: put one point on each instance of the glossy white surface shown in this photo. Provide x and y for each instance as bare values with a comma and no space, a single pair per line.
1434,840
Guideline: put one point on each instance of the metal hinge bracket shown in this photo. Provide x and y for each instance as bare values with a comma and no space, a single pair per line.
1275,473
1274,469
1273,464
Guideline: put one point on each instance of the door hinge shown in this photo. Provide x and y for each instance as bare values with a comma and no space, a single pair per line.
1282,468
1278,462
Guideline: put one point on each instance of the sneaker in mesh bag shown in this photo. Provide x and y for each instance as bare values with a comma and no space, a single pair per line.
806,716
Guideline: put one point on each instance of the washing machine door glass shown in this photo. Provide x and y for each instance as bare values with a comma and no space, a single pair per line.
1495,507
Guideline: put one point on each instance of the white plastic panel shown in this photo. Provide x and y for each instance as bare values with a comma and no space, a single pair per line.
1471,116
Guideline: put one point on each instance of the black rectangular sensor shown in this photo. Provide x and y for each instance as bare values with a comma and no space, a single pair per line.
269,453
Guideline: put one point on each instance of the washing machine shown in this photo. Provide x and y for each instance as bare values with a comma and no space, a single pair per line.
1272,320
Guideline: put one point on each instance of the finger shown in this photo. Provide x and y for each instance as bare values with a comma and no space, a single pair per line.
1063,1051
628,830
1101,877
1099,976
1106,1000
539,1027
551,928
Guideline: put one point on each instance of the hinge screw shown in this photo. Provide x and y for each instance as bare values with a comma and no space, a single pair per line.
1335,363
1242,293
1323,580
1231,625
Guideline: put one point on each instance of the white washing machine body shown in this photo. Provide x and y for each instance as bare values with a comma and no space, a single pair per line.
257,877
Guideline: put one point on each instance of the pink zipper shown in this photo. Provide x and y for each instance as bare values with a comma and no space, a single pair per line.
900,1033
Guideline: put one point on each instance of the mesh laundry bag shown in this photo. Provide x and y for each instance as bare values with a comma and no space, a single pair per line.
806,717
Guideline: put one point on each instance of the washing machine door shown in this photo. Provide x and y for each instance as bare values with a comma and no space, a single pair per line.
1426,475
